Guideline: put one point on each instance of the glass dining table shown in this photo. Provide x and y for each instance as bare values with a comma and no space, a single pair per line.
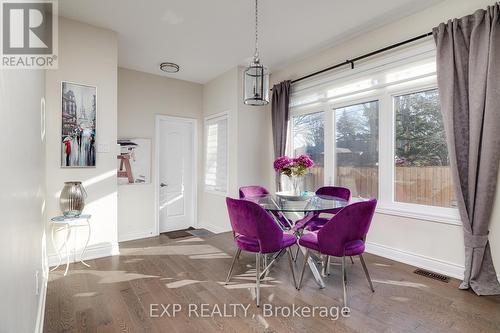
290,212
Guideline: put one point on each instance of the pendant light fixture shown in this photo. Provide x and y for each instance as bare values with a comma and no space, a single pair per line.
256,75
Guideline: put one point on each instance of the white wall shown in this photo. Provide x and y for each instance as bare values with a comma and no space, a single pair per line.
248,142
22,250
87,55
141,96
254,151
429,244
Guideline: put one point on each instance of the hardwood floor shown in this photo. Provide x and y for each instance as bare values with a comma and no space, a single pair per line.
116,294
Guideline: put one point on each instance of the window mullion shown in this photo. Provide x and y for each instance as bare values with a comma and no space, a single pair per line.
386,150
329,145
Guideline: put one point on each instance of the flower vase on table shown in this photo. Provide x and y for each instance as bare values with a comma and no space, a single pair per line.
295,169
296,185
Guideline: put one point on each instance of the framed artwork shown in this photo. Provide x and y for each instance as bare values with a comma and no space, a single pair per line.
134,161
78,131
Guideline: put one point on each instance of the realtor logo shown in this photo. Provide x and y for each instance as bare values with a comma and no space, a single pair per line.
29,34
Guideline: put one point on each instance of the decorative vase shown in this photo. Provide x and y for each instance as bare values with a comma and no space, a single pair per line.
72,199
296,185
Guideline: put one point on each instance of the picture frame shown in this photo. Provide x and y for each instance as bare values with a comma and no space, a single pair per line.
134,161
78,125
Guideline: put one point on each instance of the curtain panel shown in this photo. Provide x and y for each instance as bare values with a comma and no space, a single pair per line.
468,68
280,114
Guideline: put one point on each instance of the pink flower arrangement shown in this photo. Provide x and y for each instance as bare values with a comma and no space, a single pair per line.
297,166
284,165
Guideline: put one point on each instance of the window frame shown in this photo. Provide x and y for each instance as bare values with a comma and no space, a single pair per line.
208,119
367,98
386,168
390,206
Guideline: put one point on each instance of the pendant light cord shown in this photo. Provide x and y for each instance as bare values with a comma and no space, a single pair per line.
256,55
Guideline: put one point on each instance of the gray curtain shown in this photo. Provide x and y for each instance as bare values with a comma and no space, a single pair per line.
280,108
468,64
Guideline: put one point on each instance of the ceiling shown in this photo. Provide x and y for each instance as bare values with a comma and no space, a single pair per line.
208,37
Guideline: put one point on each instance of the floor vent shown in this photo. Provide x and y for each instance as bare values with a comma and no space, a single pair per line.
432,275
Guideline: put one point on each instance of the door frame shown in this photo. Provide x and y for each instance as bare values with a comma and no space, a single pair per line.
156,176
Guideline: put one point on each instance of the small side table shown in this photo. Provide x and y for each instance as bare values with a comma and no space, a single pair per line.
67,223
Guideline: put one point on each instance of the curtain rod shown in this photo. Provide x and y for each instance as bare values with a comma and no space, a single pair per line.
352,61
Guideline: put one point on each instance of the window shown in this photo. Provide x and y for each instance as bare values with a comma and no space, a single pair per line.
377,129
422,172
308,132
216,159
356,149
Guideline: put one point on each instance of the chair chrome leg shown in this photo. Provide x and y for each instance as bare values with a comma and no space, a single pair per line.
297,253
366,272
290,261
303,269
325,263
344,281
236,255
352,260
257,279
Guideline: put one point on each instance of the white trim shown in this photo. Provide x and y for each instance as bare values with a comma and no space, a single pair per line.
214,192
213,228
156,174
136,235
221,115
92,252
417,260
410,54
425,213
217,115
41,306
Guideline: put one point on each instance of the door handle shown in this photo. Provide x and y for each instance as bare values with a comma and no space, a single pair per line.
163,185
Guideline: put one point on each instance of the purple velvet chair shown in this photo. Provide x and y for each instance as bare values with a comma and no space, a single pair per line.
247,192
317,222
343,235
255,231
252,191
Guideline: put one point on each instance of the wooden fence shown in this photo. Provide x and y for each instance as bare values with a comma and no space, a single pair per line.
420,185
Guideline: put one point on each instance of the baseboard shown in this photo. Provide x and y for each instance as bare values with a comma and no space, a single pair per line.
213,228
417,260
41,306
135,235
93,252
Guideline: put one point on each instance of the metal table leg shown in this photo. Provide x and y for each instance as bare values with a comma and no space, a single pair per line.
58,249
68,233
310,261
314,270
86,244
275,258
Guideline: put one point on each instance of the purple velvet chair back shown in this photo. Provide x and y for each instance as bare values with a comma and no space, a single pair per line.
251,221
348,227
335,191
252,191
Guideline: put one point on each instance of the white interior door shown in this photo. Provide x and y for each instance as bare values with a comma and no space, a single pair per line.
176,179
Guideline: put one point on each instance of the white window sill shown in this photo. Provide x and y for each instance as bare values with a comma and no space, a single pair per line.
425,213
219,193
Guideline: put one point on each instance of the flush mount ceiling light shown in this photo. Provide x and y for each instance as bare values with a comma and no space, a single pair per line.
256,78
169,67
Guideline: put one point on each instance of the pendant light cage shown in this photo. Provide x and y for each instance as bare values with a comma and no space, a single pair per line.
256,75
